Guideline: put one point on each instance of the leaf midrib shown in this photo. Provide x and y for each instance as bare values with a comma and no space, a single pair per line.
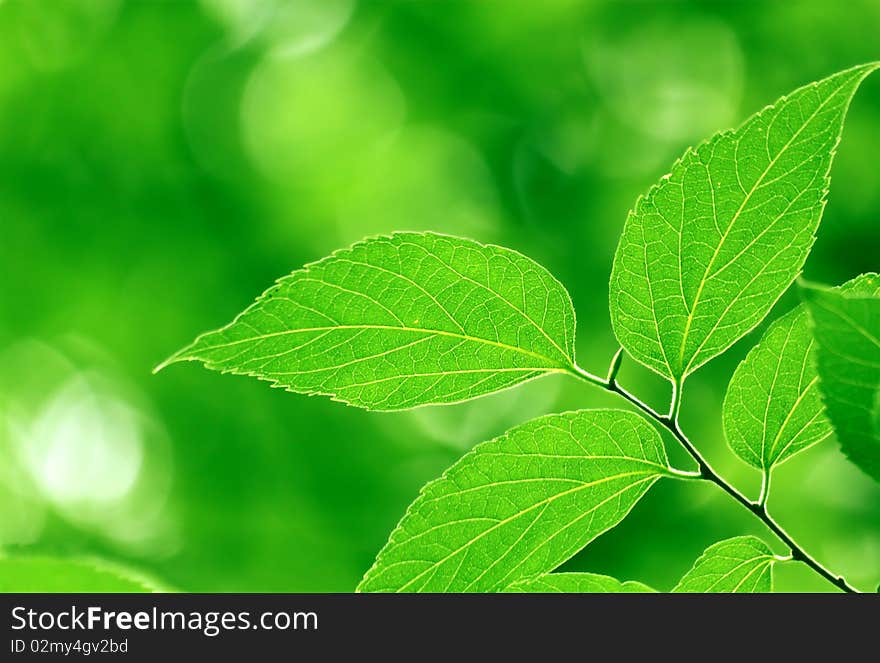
770,393
552,364
771,459
762,565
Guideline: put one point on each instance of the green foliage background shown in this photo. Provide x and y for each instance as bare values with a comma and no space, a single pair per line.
163,162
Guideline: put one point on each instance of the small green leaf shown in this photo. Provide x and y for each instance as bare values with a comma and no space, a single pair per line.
401,321
846,326
577,583
773,408
51,575
521,504
743,564
709,249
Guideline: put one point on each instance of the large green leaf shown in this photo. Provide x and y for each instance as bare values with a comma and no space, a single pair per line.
401,321
577,583
846,326
773,408
709,249
521,504
743,564
52,575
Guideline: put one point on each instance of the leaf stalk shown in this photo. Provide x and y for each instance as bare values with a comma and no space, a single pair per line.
765,487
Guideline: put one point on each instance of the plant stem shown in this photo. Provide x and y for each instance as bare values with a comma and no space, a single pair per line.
707,473
765,488
675,405
759,509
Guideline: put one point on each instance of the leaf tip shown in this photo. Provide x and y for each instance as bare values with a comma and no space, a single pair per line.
173,359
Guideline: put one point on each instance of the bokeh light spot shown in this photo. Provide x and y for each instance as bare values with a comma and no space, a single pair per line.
674,79
289,27
81,443
420,178
85,446
306,120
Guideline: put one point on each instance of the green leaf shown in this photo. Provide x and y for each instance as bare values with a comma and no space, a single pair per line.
50,575
773,408
743,564
846,326
577,583
401,321
709,249
521,504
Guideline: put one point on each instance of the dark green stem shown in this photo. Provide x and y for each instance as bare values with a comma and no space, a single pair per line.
707,473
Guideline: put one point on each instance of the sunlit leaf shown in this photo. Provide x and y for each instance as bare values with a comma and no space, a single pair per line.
577,583
741,565
521,504
846,326
52,575
401,321
707,251
773,408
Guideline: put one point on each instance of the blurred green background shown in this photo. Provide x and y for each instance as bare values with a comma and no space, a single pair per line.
161,163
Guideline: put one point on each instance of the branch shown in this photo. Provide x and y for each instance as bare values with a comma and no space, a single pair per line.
706,472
